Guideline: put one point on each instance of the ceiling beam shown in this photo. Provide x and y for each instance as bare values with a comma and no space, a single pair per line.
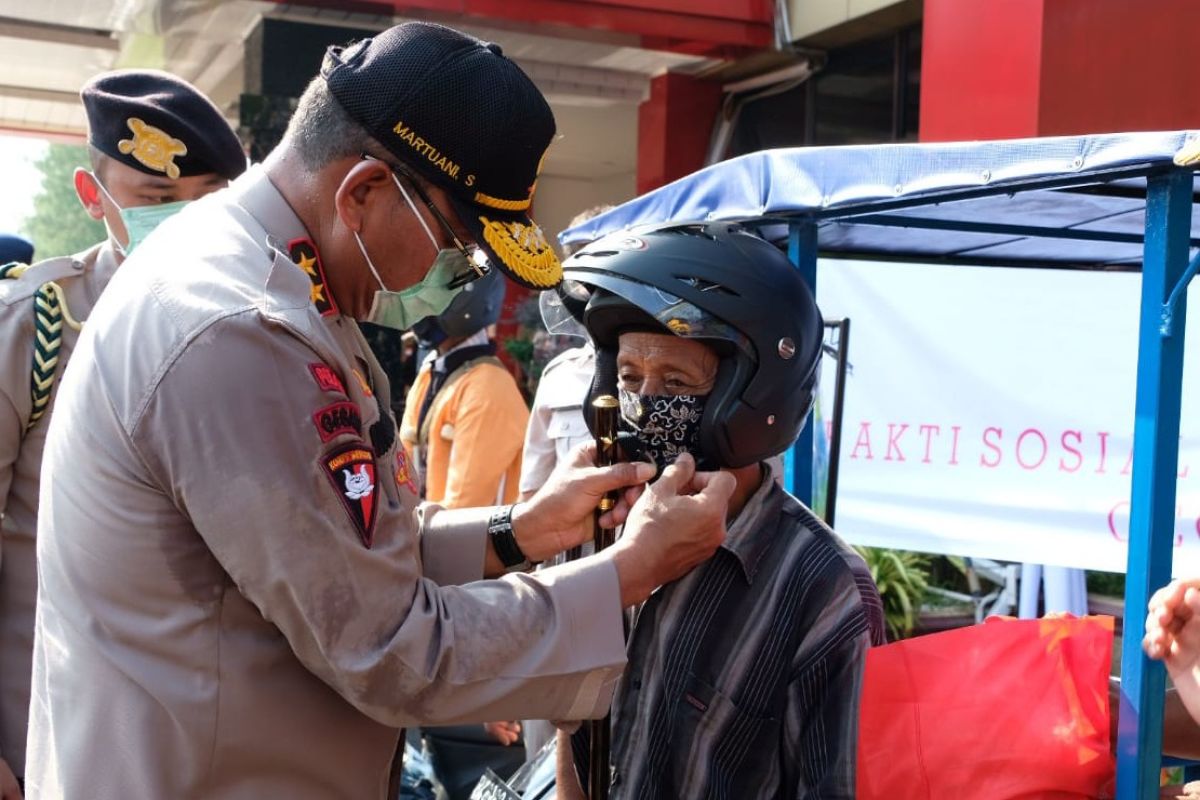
46,95
53,32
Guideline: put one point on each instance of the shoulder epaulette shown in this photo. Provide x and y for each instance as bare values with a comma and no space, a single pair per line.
50,315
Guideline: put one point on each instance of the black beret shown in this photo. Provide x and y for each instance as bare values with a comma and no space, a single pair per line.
465,117
159,124
15,248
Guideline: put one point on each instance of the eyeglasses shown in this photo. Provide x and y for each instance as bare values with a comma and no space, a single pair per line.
477,260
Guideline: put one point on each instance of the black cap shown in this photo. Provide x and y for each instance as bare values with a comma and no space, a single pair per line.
463,116
15,248
159,124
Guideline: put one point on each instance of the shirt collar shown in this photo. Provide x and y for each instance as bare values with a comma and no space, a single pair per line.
480,337
751,531
255,192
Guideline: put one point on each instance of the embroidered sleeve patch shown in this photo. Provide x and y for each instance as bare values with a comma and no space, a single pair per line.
351,470
404,476
326,378
336,419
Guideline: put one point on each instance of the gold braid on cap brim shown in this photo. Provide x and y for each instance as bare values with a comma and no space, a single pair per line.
50,314
524,251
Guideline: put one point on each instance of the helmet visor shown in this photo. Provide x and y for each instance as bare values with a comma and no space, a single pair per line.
680,317
556,315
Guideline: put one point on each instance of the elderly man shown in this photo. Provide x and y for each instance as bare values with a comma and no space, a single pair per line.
744,675
132,186
238,596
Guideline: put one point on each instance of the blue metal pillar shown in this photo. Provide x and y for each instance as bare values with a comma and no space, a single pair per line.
802,250
1155,463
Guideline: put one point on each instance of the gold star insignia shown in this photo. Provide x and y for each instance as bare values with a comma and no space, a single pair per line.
317,293
308,264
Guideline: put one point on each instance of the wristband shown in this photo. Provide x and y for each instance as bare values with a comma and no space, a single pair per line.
500,531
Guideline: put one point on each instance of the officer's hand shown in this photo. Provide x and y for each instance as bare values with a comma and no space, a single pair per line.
676,524
9,790
559,515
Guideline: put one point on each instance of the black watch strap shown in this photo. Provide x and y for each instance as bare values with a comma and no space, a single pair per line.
503,541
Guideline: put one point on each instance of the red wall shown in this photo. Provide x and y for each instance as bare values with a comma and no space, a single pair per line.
703,27
674,126
1120,65
994,69
980,69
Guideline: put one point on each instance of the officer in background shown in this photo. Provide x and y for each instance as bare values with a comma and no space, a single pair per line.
15,248
464,422
155,143
465,418
238,595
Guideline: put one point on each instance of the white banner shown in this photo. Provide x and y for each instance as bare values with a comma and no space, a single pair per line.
989,412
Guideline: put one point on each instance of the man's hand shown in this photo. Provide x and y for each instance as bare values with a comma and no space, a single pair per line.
9,789
1173,636
675,524
559,515
506,733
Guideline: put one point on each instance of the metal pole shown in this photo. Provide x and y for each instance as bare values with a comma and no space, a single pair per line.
605,410
839,404
1155,465
802,250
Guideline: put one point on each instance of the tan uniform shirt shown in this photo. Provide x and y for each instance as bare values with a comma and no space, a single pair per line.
82,278
236,599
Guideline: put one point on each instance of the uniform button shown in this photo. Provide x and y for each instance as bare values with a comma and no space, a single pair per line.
77,265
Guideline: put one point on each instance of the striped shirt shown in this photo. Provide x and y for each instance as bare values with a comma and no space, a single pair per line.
744,676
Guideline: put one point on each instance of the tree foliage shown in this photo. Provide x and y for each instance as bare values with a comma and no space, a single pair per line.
59,225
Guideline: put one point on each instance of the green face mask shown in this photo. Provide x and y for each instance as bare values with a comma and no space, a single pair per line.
400,310
140,221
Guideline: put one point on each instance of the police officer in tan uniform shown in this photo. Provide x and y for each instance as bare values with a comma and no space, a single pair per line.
238,594
135,118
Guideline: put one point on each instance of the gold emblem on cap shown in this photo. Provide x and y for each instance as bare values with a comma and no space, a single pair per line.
153,147
524,252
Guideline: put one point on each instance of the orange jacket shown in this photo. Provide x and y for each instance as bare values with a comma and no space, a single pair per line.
470,447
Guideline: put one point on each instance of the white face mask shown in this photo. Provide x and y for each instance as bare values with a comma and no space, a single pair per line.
400,310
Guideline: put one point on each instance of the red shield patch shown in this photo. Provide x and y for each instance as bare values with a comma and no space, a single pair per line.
326,378
351,470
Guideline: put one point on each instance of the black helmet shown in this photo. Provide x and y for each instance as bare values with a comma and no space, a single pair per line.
722,284
473,309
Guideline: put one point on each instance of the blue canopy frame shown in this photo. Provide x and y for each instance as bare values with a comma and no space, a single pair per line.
1115,199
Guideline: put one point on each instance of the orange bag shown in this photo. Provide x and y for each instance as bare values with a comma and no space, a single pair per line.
1004,710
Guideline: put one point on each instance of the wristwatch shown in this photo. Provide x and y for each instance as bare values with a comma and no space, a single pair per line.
500,531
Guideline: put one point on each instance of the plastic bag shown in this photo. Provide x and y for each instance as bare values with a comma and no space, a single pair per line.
1007,710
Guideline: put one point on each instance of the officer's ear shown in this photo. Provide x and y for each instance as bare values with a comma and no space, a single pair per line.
88,192
367,182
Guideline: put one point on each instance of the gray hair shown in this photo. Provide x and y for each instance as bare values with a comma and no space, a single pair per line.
321,132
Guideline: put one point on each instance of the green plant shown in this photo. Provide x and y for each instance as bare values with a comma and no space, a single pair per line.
902,578
59,226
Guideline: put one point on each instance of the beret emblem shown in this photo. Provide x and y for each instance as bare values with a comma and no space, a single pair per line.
153,147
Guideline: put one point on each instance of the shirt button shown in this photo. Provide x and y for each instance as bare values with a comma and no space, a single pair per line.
636,683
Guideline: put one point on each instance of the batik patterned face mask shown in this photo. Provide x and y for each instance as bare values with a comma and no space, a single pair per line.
664,425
